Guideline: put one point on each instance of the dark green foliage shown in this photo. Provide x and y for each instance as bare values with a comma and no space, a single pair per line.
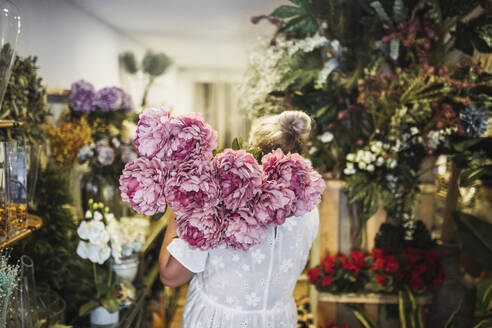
53,247
128,62
475,235
155,64
397,237
25,101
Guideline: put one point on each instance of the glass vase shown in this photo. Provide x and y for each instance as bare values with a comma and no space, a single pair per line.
24,308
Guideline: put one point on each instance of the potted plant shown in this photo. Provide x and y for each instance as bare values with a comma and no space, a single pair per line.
97,247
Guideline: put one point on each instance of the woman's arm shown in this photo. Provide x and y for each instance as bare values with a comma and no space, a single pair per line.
173,273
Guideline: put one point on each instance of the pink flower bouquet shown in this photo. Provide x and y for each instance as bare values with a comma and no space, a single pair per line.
141,185
229,200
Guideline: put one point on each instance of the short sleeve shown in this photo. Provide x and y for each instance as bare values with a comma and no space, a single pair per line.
192,259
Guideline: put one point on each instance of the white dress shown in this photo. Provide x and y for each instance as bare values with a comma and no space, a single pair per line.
253,289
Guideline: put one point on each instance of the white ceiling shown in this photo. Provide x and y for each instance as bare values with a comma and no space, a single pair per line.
144,20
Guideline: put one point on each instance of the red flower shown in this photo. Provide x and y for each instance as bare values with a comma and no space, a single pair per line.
330,324
411,254
314,275
327,280
379,264
343,260
392,265
400,276
329,264
416,283
441,276
357,258
432,256
381,279
377,253
419,269
345,326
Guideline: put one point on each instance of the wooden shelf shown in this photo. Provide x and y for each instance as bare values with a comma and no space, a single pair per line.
33,223
369,298
4,124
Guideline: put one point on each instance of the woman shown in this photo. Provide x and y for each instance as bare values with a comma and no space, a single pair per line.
246,289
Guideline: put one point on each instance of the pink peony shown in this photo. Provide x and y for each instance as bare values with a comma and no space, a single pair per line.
239,177
273,203
192,185
201,228
190,138
141,185
242,230
293,172
152,131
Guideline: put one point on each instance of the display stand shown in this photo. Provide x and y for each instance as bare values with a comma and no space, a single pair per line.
33,223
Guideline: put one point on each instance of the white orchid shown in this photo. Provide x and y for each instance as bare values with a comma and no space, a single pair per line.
88,214
94,231
98,216
94,253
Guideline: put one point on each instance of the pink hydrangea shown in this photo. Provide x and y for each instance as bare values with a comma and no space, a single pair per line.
201,228
242,230
152,132
239,177
192,185
141,185
273,203
293,172
190,138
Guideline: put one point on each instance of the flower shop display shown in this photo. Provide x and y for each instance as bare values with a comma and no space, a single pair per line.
388,83
225,198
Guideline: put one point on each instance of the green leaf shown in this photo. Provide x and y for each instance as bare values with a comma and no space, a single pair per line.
399,11
484,292
394,48
378,7
450,322
475,235
236,144
102,288
111,304
86,308
486,323
287,11
363,319
464,145
470,176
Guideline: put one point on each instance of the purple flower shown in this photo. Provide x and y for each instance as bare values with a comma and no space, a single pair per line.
190,139
273,203
242,230
152,132
82,96
293,172
109,99
85,153
239,177
141,185
192,185
201,228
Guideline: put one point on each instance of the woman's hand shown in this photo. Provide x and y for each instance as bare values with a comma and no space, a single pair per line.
172,273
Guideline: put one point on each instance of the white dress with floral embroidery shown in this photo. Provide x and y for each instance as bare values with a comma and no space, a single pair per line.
234,289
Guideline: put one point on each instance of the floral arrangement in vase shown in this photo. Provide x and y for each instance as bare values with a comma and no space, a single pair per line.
8,283
227,199
129,235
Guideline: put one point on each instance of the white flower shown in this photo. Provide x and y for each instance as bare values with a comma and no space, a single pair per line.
94,253
88,214
349,170
98,216
109,217
370,168
95,231
379,161
392,163
326,137
350,157
313,150
362,165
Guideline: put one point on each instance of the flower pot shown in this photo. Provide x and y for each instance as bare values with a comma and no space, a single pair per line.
100,316
127,268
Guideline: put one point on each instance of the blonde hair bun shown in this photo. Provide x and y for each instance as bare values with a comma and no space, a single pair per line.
287,130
